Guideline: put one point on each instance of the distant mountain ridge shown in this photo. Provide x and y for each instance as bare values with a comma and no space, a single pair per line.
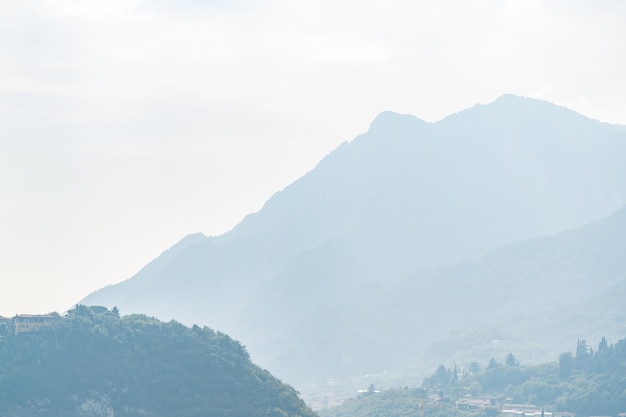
553,288
403,197
533,297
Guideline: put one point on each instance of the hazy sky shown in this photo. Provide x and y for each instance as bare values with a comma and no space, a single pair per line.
127,124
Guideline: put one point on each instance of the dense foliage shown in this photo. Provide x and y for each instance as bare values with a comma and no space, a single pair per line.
587,383
393,403
95,363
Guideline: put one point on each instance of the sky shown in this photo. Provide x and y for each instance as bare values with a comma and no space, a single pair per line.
127,124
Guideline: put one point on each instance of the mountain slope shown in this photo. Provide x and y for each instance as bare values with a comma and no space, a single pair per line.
531,298
537,294
405,196
94,363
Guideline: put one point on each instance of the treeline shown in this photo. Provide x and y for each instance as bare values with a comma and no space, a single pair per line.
94,362
589,382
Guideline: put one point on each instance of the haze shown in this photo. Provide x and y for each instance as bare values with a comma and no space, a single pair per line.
125,125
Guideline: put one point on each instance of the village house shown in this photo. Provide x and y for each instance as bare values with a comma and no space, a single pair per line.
523,410
470,402
566,414
25,323
434,398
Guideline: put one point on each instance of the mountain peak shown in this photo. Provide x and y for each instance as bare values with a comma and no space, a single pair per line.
389,121
192,239
512,97
511,110
513,100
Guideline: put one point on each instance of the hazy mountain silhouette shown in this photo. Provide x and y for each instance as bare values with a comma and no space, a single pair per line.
305,282
532,298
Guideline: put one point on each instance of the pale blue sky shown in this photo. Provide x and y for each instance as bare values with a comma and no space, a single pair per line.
127,124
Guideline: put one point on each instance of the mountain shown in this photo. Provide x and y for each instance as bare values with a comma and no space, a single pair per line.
532,298
94,363
291,280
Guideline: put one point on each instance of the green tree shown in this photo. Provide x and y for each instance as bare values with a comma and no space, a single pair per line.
582,354
603,344
493,364
474,368
511,361
475,388
566,365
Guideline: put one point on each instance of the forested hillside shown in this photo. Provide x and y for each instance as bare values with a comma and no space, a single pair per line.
95,363
590,382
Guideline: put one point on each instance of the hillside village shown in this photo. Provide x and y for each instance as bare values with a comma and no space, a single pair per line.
507,409
417,402
587,383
